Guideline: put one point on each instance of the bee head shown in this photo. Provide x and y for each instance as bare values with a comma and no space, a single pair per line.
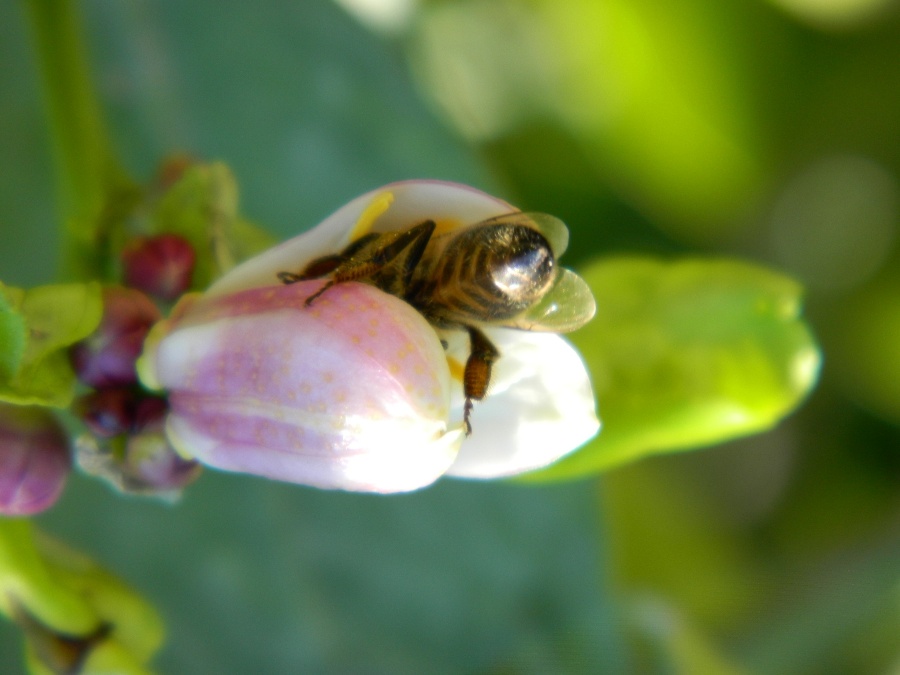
524,267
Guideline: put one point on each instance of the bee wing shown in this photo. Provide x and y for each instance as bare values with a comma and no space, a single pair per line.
567,306
554,230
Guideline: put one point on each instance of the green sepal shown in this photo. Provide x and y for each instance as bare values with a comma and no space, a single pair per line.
686,354
248,239
202,207
39,325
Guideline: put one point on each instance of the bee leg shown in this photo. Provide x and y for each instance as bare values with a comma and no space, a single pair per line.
368,260
477,375
352,270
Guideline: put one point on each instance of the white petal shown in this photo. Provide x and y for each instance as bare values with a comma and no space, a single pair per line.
539,408
413,202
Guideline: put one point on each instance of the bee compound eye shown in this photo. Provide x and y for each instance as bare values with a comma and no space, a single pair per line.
525,274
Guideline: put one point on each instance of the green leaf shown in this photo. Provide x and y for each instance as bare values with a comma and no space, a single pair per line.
660,100
50,319
201,207
688,353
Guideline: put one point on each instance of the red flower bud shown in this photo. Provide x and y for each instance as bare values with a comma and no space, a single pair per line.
159,266
34,460
107,357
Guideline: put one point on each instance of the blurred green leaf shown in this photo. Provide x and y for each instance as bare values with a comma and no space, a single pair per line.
662,523
674,645
863,331
658,94
54,317
688,353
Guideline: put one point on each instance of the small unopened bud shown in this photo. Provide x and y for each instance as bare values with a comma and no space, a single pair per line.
150,413
107,357
108,412
160,266
34,460
151,465
127,445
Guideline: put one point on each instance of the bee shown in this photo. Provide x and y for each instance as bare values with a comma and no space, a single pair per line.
500,272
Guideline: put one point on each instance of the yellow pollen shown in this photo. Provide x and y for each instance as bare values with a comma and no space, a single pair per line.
456,369
442,225
370,214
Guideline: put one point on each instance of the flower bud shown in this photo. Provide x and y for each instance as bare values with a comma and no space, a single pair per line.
160,266
129,447
34,460
107,357
108,412
351,392
151,466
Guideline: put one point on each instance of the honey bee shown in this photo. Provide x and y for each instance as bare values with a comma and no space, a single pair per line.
498,272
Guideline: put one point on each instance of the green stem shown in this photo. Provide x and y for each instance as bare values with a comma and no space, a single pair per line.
25,579
91,180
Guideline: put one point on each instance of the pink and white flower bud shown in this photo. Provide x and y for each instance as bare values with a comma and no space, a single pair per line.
160,266
34,460
352,392
107,357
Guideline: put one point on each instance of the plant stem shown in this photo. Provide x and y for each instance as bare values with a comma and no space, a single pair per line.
90,178
26,579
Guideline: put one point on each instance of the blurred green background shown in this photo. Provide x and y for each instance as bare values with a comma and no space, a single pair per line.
767,131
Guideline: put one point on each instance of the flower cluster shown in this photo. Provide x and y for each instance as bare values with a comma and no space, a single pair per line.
125,441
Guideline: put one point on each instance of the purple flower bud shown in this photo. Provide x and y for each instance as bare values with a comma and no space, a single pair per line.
34,460
160,266
107,357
